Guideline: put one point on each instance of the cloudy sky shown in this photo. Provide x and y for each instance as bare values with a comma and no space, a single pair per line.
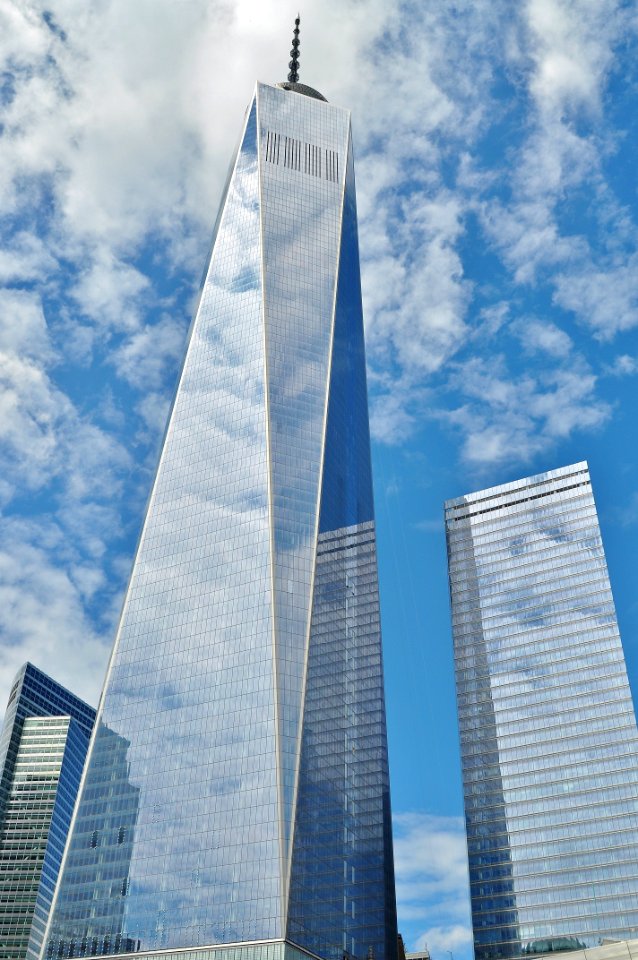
495,149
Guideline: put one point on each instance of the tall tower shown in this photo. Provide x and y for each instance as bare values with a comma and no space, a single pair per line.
246,673
549,743
43,744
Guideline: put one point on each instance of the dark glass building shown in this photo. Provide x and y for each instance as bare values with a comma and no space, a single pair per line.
246,677
549,743
43,747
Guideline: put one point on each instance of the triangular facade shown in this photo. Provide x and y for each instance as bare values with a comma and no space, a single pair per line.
200,823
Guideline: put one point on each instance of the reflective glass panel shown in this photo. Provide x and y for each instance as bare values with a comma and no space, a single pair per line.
303,150
182,837
177,841
342,900
548,733
43,747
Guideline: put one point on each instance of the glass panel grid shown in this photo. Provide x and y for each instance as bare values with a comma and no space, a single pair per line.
300,275
342,881
176,842
548,732
182,838
42,755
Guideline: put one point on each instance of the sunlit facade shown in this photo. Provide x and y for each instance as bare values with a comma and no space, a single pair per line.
246,679
43,745
548,733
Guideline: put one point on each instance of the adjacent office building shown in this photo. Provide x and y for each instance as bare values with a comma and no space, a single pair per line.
43,747
548,733
246,676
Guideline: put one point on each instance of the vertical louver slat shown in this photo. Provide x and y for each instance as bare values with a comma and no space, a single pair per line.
302,156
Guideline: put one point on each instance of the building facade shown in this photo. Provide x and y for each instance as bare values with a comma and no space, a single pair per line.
246,677
549,743
43,747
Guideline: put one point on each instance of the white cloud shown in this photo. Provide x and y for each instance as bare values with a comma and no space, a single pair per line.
422,317
432,880
153,409
30,406
445,940
26,259
506,418
491,320
52,562
623,366
23,329
110,292
42,615
43,438
571,47
145,357
29,410
563,55
528,238
394,412
606,300
412,223
431,851
539,336
131,148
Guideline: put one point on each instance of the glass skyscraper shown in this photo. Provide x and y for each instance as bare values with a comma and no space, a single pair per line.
246,678
43,747
548,733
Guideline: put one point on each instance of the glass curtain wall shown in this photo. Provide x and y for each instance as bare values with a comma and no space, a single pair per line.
548,732
42,755
212,704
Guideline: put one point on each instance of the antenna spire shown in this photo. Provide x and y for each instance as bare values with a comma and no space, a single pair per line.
293,76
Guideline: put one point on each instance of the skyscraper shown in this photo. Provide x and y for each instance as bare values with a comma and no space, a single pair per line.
549,742
43,747
246,673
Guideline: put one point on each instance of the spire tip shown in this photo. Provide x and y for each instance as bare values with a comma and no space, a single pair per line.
293,76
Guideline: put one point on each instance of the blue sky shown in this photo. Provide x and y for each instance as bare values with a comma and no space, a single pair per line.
495,151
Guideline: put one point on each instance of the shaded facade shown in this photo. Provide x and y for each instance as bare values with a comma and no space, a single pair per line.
246,675
43,747
549,743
